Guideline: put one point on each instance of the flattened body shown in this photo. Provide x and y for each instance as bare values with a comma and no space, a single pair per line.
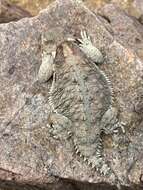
80,89
81,101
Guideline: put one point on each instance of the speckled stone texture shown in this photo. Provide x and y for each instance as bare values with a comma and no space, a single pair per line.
10,12
28,154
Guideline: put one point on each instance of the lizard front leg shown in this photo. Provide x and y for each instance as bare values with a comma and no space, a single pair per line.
46,68
86,45
48,55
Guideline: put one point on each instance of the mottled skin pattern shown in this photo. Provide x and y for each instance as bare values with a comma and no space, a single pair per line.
81,99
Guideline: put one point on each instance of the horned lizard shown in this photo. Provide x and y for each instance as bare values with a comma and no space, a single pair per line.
81,98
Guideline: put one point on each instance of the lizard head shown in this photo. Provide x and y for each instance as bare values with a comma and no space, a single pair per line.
64,52
67,51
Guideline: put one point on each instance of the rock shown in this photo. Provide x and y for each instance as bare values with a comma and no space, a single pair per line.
28,153
138,7
141,19
132,7
34,7
10,12
126,29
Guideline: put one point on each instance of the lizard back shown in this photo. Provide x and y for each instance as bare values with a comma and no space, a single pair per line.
82,94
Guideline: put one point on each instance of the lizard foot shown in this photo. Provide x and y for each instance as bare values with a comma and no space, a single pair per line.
116,128
87,47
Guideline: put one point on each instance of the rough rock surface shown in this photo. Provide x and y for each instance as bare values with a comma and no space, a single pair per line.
131,7
28,154
10,12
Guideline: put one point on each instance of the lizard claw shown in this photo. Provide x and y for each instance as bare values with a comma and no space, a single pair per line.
85,36
122,126
85,40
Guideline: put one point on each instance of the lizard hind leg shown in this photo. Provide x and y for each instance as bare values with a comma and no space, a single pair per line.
59,126
110,123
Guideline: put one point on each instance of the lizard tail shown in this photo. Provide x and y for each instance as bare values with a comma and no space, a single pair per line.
94,157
